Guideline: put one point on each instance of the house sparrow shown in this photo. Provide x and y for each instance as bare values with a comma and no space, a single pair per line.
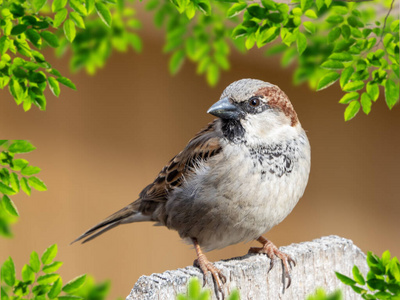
235,180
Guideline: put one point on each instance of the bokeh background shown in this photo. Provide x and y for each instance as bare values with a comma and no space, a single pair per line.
99,146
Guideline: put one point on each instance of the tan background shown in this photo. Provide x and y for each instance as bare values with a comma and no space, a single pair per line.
100,146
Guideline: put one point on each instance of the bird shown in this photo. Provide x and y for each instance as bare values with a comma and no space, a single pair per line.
235,180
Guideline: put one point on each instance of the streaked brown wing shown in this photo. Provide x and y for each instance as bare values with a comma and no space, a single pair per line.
200,148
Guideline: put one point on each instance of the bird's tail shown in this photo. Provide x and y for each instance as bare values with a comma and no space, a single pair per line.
128,214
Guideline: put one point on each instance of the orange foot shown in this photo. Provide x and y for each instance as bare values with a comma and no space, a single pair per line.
206,266
271,250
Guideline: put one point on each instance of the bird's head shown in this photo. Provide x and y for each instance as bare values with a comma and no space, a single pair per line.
259,107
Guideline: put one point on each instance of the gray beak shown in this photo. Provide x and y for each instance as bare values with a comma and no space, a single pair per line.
224,109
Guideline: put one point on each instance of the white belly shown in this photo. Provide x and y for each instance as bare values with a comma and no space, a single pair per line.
241,196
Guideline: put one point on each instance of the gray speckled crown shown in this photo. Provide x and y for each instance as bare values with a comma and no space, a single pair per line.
243,89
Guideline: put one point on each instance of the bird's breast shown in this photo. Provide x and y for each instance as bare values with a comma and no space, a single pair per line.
241,193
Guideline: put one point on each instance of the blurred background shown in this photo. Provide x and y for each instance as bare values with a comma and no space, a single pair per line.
98,147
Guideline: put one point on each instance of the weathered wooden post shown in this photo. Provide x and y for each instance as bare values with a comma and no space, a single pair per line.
317,262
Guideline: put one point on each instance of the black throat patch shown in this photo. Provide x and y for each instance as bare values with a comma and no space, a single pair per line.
233,130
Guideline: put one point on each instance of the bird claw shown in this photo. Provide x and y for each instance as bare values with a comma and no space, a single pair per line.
206,266
271,251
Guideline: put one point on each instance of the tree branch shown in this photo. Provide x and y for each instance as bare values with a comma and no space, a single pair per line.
384,23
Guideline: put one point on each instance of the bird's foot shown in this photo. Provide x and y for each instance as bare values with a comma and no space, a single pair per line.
206,266
271,251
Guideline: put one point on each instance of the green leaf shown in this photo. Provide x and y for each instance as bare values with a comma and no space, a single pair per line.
34,262
350,112
48,278
37,77
269,4
74,284
332,65
8,272
65,81
256,11
176,61
327,80
38,4
21,146
309,26
353,86
334,34
311,14
104,13
205,8
52,267
335,19
30,170
37,184
301,43
306,4
77,19
358,290
347,98
135,42
340,10
343,56
319,4
235,9
6,190
33,37
49,254
10,206
14,182
69,30
346,31
395,269
394,26
359,278
58,4
373,91
60,17
55,289
4,44
54,86
69,297
27,274
90,5
194,288
78,7
212,74
391,93
50,38
356,32
18,29
25,186
16,89
343,45
345,76
385,256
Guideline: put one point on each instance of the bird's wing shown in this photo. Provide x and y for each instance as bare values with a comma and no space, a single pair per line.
204,145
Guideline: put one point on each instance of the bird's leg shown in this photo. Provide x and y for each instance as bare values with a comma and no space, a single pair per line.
271,250
206,266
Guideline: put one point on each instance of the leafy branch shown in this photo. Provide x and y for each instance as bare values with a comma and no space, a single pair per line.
330,40
16,174
40,281
382,280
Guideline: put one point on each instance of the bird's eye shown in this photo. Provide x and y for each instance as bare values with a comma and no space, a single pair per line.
254,102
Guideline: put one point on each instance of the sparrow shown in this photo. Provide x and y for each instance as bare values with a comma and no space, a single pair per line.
235,180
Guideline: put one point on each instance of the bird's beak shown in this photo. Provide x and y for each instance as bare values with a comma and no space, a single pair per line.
224,109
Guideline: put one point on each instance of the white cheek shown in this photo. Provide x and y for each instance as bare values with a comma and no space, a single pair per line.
269,126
